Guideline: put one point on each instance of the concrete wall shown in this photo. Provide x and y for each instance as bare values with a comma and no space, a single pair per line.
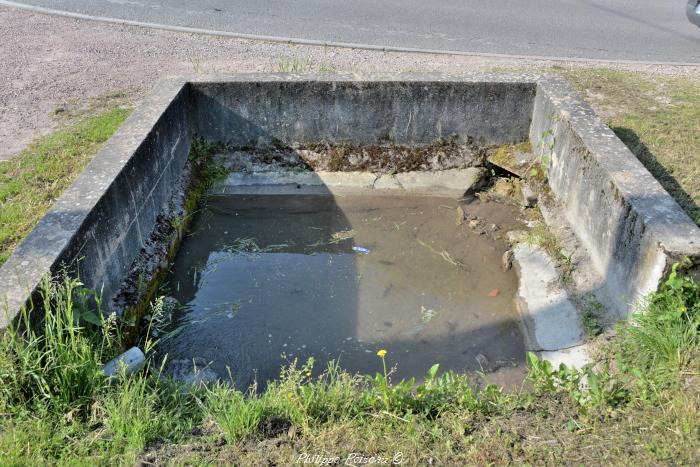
633,229
97,227
406,109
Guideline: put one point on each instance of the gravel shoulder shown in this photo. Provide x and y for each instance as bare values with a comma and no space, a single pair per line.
51,62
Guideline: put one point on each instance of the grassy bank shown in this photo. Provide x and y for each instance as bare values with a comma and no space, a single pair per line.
640,404
31,181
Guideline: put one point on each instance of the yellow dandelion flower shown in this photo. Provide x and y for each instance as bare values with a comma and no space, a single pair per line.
381,353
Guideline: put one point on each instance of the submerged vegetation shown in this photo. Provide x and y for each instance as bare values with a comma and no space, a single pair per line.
639,403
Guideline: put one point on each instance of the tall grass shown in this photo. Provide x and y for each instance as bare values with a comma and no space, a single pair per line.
55,363
667,334
51,374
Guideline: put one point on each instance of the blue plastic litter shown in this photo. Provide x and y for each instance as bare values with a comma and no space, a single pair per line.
360,249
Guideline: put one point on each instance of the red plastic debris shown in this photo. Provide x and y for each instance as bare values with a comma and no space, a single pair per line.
493,293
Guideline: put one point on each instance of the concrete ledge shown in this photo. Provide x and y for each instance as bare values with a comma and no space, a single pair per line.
633,229
549,320
329,179
577,356
453,182
403,108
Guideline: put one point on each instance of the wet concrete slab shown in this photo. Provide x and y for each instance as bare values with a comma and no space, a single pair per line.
267,279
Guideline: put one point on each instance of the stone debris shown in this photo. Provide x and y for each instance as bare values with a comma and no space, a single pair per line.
529,197
268,156
441,155
503,188
515,236
507,260
475,224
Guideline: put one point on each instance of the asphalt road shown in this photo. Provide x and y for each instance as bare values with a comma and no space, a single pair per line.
635,30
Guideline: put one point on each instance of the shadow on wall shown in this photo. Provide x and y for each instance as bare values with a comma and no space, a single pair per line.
667,180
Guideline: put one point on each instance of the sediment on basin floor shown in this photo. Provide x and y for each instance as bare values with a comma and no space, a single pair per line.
261,280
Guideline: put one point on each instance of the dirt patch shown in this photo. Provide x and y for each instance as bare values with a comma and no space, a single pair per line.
273,427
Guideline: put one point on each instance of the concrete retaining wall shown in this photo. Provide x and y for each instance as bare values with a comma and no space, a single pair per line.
633,229
98,226
404,109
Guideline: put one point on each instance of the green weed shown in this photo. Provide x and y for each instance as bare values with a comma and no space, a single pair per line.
302,65
665,339
57,365
237,415
591,318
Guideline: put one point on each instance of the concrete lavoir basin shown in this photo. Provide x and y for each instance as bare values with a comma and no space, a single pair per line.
631,229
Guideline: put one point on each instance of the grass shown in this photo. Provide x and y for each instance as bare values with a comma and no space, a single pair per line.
31,182
591,317
639,404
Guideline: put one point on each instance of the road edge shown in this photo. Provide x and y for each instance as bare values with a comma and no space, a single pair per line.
311,42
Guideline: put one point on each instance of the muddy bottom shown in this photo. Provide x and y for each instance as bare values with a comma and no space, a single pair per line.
264,280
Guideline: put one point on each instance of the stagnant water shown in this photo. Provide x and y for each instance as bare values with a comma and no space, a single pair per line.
264,280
